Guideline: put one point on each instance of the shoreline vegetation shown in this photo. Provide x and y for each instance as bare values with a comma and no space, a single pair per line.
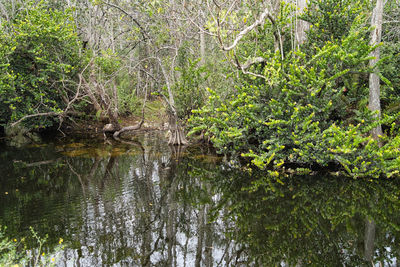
280,89
14,252
299,85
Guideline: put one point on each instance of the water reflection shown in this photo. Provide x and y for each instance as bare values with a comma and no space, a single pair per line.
130,204
318,221
147,204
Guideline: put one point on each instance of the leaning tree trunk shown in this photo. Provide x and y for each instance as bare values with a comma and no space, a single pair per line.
177,136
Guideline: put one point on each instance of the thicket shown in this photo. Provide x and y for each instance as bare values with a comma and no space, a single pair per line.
188,89
311,109
305,107
39,60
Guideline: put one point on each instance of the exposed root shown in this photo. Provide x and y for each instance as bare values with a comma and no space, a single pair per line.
177,137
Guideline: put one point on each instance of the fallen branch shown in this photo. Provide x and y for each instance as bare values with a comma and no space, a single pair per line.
127,129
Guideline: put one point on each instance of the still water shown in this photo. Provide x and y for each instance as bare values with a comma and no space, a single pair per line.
144,203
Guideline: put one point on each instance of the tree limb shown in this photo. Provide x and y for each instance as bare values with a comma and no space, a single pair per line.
247,30
36,115
143,32
249,63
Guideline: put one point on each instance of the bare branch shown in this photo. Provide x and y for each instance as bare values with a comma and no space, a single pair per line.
143,32
247,30
244,68
36,115
228,12
36,164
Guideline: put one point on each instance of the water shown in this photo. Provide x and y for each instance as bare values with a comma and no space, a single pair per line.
147,204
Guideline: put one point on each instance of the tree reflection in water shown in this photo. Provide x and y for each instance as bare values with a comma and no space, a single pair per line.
318,221
147,204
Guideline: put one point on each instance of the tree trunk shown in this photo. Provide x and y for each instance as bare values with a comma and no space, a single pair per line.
177,136
113,119
374,86
200,237
276,9
208,248
301,25
202,44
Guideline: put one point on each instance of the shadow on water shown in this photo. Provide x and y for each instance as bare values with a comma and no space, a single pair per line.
147,204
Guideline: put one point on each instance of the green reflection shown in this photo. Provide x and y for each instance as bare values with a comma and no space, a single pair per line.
315,220
147,204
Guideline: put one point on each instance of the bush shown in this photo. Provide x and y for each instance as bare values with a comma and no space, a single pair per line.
9,251
15,253
127,99
38,59
310,111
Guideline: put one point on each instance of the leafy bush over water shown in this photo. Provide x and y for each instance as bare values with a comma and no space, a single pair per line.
311,110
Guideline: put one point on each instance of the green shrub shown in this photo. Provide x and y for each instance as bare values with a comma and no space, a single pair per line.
331,20
15,253
38,60
127,99
9,252
310,111
189,92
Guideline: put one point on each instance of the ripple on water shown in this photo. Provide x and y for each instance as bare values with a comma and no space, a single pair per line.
129,205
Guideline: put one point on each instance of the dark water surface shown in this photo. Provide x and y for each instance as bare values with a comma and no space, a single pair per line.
147,204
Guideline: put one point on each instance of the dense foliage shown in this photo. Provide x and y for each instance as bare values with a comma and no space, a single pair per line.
331,20
311,110
39,59
275,101
189,93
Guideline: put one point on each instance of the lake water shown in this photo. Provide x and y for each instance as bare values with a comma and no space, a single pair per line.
148,204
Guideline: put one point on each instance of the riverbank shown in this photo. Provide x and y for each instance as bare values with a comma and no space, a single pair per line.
90,126
155,118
